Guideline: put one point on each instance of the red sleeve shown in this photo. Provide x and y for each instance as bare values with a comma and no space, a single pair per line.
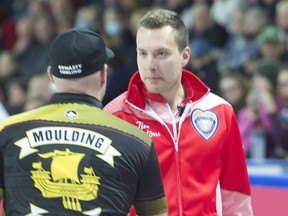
234,180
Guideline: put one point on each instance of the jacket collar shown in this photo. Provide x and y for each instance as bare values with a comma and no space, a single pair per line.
75,98
195,89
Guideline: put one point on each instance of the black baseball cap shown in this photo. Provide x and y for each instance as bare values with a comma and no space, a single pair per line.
78,52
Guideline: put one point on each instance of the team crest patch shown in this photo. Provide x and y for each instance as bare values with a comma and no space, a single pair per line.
71,114
205,123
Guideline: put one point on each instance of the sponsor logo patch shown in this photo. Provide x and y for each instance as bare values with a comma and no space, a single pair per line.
204,122
71,114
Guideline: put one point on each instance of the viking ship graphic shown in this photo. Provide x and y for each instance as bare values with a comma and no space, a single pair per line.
63,179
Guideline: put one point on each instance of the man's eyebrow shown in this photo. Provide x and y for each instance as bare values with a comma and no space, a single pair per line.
156,50
162,49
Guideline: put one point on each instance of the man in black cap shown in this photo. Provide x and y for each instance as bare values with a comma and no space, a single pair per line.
71,158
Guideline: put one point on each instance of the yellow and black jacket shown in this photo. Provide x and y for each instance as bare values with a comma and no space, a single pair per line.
70,157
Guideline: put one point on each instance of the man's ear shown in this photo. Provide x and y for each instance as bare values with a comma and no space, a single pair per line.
185,56
49,72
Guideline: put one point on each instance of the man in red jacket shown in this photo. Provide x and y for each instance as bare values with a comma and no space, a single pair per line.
195,132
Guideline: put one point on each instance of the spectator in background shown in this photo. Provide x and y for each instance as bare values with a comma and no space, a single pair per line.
90,17
280,118
237,47
233,87
25,45
222,11
128,44
39,91
272,43
33,40
37,9
24,35
9,67
16,95
203,63
122,66
242,44
203,26
113,27
269,6
63,13
282,18
19,8
260,105
119,74
126,7
44,32
35,31
13,87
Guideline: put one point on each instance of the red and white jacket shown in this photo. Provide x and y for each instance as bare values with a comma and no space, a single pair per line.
199,149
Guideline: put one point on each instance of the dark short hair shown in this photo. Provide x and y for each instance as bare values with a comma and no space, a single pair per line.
158,18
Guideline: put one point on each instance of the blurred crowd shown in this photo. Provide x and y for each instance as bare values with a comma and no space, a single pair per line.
239,48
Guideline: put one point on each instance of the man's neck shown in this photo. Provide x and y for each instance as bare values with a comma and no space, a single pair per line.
176,99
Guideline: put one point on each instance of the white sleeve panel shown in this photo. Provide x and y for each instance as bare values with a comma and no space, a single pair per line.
235,204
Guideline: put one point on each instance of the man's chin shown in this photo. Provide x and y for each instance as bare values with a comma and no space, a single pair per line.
153,90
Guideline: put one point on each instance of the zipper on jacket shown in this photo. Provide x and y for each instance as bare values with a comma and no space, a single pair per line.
179,193
175,138
177,161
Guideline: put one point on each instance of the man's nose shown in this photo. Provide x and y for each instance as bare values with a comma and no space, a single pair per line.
152,63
